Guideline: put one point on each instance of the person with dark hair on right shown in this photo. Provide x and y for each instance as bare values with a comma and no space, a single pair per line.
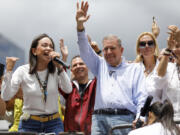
155,28
160,121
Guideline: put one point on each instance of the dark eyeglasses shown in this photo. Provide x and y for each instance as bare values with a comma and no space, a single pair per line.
142,44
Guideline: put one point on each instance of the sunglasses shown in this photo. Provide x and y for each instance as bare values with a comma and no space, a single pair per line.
142,44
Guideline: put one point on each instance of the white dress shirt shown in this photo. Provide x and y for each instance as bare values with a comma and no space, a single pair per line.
170,84
156,93
33,102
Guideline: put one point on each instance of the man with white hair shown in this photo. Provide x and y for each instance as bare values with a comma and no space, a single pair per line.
120,91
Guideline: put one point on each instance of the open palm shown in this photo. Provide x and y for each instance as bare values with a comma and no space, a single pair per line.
81,14
175,32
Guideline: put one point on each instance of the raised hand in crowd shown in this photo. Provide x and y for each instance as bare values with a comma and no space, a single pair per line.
175,32
171,42
155,28
81,15
94,46
64,52
10,62
63,49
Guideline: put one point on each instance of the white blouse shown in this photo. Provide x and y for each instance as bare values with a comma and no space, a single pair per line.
32,94
156,93
154,129
170,84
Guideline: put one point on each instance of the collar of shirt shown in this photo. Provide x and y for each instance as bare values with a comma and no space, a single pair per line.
77,84
122,64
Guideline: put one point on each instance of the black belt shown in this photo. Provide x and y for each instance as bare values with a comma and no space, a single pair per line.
111,111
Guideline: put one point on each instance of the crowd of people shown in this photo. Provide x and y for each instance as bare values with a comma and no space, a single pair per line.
115,96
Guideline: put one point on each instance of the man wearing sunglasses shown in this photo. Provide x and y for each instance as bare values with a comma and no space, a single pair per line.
120,86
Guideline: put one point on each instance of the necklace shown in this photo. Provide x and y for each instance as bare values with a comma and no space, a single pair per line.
43,85
149,69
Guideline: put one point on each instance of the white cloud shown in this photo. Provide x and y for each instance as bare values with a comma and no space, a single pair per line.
22,20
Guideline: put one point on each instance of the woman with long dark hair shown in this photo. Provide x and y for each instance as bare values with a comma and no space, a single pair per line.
39,80
160,121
